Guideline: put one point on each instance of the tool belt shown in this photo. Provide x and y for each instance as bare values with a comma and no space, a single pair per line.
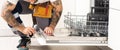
42,10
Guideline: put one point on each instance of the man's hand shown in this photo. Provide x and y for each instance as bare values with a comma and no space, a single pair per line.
48,31
29,31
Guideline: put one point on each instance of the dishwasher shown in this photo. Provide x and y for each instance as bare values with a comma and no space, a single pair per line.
79,34
85,30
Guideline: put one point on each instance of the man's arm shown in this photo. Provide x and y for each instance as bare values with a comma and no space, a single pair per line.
10,19
57,12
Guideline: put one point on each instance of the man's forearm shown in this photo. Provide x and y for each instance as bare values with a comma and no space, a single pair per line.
57,13
55,20
9,18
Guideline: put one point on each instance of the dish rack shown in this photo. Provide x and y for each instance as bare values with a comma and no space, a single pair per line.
79,25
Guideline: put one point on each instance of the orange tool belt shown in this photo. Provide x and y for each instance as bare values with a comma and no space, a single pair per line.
42,11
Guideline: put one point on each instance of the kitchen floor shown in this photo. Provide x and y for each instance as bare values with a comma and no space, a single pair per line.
10,42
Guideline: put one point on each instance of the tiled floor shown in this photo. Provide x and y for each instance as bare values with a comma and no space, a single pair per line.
10,43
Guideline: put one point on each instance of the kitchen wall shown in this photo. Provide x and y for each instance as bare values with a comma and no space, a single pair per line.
76,7
114,25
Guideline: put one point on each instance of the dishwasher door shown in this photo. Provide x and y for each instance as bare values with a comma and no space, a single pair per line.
43,39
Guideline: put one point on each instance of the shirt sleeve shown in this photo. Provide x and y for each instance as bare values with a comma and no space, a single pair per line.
52,0
13,1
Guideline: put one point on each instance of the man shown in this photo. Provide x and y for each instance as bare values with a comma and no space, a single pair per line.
7,15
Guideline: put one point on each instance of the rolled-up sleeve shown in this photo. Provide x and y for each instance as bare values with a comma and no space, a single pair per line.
13,1
52,0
